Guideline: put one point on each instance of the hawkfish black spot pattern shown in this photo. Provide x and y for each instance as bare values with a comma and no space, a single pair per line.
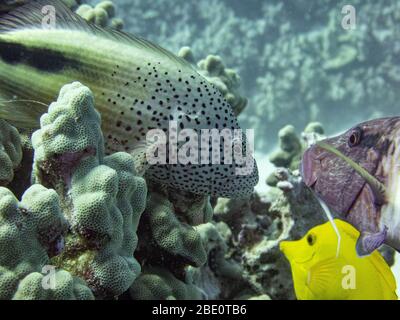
137,87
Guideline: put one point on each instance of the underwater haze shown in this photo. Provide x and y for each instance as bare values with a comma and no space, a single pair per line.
88,209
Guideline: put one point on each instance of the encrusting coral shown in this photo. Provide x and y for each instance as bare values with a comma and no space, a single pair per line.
81,215
221,277
157,283
170,234
10,152
31,232
101,197
256,228
167,237
92,218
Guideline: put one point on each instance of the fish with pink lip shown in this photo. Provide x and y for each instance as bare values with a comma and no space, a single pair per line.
357,175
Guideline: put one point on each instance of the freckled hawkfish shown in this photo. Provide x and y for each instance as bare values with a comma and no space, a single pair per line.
137,85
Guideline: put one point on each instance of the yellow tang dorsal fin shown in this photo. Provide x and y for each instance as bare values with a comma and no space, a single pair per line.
347,228
323,275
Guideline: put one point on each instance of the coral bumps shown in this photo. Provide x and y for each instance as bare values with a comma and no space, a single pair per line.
102,198
81,216
31,232
171,235
160,284
10,152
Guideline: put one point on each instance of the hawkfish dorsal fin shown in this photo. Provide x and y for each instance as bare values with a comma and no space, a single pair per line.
31,16
22,113
369,242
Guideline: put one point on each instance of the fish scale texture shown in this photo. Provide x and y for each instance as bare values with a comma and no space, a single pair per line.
101,196
10,152
30,231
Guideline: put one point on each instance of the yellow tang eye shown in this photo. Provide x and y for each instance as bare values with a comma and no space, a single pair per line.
311,239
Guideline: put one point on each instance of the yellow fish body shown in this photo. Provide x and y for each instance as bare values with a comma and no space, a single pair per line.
320,274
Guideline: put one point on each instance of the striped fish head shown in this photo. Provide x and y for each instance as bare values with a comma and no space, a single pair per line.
338,184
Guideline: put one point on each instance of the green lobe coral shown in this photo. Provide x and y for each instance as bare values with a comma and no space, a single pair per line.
101,197
10,152
160,284
31,231
170,234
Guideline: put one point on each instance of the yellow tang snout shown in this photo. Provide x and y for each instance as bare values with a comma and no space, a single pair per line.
299,251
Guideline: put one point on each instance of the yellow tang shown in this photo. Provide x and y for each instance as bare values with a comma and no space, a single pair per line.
319,274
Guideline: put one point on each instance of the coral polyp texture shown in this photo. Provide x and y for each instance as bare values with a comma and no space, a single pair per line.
10,152
171,235
167,237
160,284
102,198
31,232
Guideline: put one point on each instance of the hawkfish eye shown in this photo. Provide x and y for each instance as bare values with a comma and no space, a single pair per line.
311,239
355,137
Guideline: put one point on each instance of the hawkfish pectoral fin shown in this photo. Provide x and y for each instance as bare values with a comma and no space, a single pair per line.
139,159
368,242
147,153
22,113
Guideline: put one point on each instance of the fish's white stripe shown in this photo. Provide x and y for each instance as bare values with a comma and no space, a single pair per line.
332,222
